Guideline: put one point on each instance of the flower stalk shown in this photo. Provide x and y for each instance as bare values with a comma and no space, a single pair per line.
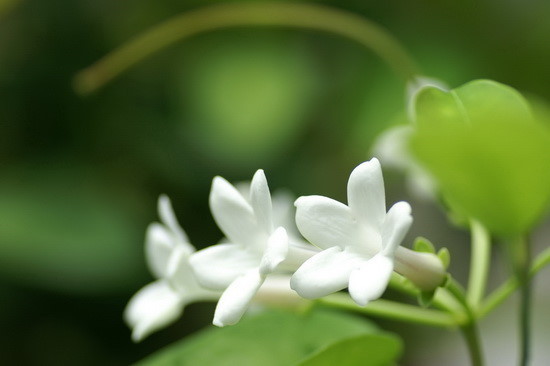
394,310
479,264
277,14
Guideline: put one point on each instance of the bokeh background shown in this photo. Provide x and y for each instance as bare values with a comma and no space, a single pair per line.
80,176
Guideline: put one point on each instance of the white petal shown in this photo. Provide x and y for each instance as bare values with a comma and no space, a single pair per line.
369,281
168,217
397,223
391,147
325,273
425,270
158,247
276,291
217,266
326,223
233,214
260,198
181,277
366,196
235,300
284,213
275,252
152,308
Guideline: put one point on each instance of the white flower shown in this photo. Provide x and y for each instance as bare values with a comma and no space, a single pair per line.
255,249
361,242
167,250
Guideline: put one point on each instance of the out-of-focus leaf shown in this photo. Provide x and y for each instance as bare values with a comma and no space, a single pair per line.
488,154
64,230
272,338
246,99
477,102
367,350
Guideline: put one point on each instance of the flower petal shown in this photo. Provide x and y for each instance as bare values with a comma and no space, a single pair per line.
168,218
236,298
366,196
181,277
275,252
395,227
260,199
326,223
233,214
158,248
284,213
152,308
217,266
369,281
325,273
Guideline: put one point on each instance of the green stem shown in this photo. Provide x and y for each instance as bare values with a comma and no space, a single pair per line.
393,310
469,329
479,264
279,14
471,335
522,258
504,291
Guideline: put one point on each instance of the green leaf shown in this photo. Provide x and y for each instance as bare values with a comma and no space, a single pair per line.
367,350
476,102
487,153
273,338
423,245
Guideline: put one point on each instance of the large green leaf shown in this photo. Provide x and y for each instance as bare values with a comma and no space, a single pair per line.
488,154
477,102
366,350
268,339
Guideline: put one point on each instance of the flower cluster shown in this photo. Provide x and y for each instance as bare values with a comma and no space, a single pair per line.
262,258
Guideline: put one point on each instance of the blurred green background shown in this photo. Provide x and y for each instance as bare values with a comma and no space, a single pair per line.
80,175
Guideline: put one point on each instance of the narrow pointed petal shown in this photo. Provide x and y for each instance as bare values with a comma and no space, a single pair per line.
158,247
260,198
275,252
236,299
397,224
217,266
326,223
369,281
152,308
324,273
168,218
366,195
233,214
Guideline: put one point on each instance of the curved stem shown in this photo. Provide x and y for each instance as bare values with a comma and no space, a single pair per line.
393,310
280,14
504,291
479,264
